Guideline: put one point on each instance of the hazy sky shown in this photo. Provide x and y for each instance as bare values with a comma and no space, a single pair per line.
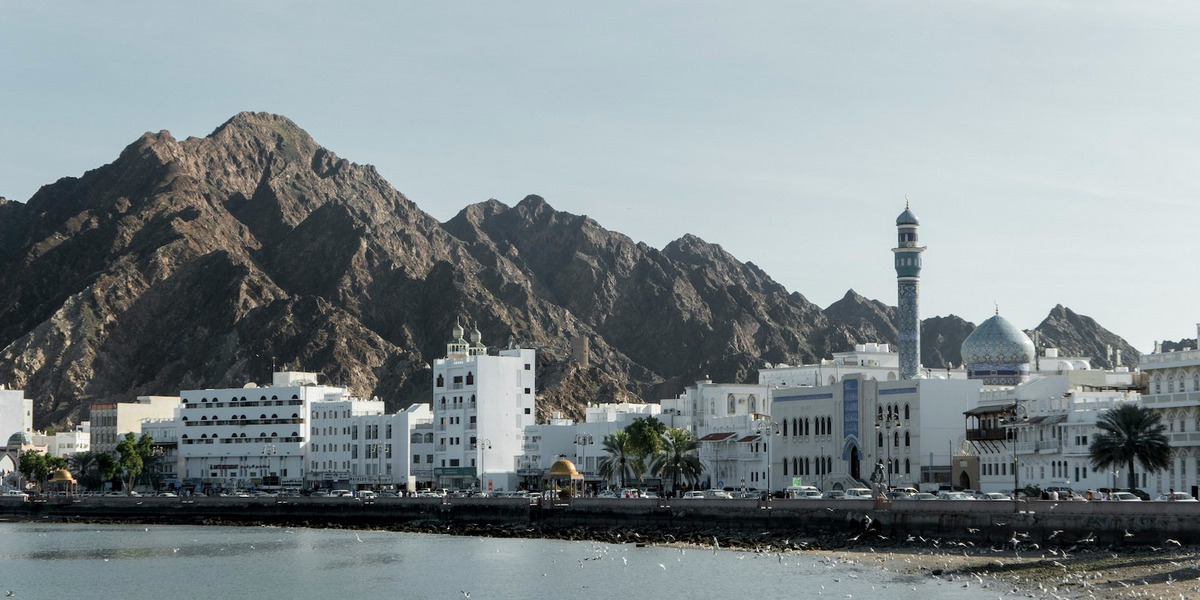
1049,148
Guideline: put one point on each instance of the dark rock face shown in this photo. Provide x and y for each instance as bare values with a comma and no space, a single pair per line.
1078,335
202,262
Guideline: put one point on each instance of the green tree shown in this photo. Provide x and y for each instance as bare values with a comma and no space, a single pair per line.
616,465
1130,433
134,453
679,458
34,467
106,466
645,436
86,469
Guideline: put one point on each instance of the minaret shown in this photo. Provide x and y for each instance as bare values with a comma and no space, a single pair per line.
908,284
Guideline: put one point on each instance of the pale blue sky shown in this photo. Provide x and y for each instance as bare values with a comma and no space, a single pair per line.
1050,148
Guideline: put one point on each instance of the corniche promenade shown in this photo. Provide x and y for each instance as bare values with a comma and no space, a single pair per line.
747,523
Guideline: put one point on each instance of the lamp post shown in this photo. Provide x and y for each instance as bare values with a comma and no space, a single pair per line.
889,424
1019,415
268,451
483,446
768,427
585,440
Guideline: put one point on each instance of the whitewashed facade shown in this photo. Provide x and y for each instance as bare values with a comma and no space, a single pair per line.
481,406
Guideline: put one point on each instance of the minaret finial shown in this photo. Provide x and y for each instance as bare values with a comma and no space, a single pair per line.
997,306
906,202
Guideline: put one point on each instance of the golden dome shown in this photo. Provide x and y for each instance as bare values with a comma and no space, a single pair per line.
563,467
62,475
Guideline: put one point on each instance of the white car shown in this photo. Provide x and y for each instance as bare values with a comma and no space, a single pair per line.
955,496
993,496
718,494
15,493
1125,497
693,495
1175,497
859,494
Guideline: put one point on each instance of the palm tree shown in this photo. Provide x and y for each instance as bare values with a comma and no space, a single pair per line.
86,469
620,456
679,457
1130,433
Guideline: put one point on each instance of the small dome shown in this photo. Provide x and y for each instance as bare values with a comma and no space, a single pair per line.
563,467
20,438
998,352
907,218
62,475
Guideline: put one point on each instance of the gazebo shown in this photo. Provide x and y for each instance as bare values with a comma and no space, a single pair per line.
563,476
62,482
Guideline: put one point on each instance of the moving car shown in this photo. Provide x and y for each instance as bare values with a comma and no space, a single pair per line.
1175,497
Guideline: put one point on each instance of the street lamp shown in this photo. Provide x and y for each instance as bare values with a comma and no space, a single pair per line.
1019,416
768,427
889,423
585,440
482,446
268,451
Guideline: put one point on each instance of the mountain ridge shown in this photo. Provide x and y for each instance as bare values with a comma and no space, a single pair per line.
202,262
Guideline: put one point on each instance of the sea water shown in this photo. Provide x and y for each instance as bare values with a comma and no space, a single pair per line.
55,561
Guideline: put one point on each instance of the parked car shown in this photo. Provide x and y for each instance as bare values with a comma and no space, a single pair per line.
992,496
803,492
612,494
15,493
1125,497
1175,497
834,495
718,494
859,494
955,496
166,495
693,495
924,496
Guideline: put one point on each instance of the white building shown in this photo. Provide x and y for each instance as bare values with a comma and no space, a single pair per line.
74,441
356,445
233,438
163,467
481,407
111,421
581,443
16,413
832,436
1173,391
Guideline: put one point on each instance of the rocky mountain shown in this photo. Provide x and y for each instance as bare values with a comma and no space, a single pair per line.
206,262
1078,335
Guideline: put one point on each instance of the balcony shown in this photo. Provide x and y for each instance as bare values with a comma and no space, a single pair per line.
994,434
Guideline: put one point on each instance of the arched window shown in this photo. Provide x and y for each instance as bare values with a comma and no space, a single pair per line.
429,438
204,436
896,440
785,466
185,436
880,442
470,378
907,439
262,416
906,412
879,413
262,398
732,404
753,403
441,381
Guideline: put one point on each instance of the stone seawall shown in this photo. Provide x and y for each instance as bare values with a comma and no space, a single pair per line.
828,522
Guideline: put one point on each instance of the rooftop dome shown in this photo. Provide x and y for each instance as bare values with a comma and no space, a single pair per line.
998,352
62,475
907,218
563,467
20,438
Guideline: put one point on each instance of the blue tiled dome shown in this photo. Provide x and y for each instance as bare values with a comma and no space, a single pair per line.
907,218
20,438
998,352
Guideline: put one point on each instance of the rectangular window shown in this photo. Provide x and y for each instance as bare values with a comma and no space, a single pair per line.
454,462
526,390
416,459
527,367
527,411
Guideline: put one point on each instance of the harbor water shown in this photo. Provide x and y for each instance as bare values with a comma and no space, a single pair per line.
54,561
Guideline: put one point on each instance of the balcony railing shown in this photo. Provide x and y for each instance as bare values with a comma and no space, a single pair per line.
995,434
